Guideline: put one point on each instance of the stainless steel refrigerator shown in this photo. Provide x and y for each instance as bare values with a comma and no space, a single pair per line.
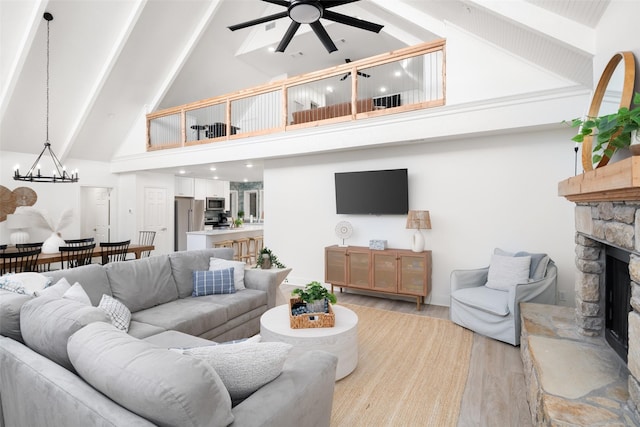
189,216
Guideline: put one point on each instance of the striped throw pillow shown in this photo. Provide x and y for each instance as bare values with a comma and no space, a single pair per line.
213,282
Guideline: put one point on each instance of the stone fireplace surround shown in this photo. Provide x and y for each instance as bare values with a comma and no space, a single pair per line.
616,224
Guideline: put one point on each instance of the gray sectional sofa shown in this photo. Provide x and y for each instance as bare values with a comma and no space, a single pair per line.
142,381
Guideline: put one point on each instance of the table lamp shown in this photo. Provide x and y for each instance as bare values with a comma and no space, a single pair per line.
18,223
418,220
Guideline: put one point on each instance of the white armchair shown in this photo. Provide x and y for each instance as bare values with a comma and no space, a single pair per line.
495,312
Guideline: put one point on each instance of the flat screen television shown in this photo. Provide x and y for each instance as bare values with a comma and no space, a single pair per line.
379,192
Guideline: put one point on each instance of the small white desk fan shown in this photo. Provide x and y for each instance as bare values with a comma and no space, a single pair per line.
343,231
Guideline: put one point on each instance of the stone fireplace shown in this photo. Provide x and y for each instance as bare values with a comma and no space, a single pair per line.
607,220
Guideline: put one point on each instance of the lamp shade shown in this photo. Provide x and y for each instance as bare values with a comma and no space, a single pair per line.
16,221
418,220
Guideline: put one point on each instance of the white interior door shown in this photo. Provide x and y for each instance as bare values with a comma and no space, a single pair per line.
95,215
156,217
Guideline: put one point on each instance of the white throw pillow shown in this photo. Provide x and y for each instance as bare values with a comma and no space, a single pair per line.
507,271
238,270
56,290
244,367
31,282
77,293
118,312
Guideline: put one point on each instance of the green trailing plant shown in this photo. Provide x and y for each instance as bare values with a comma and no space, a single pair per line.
274,259
314,291
240,214
610,132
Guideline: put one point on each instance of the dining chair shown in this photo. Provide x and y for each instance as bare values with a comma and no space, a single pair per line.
146,238
114,251
76,256
26,247
79,242
19,262
3,248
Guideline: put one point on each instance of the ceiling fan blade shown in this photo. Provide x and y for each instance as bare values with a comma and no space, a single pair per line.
286,39
323,36
278,2
345,76
364,74
259,21
354,22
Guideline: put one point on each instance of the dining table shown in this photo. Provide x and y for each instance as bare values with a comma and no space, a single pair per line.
54,257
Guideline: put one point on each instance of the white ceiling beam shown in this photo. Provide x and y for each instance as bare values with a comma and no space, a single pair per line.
23,48
414,16
182,58
565,30
102,77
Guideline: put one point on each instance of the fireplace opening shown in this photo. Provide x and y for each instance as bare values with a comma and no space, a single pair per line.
617,300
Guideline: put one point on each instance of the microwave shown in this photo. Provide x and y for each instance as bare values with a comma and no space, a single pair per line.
214,203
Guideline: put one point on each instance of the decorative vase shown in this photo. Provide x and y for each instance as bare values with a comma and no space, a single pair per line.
417,242
316,306
52,244
266,262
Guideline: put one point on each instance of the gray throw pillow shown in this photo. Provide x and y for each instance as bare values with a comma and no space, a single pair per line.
507,271
163,386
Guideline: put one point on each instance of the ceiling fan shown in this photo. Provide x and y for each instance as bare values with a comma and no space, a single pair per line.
347,60
310,12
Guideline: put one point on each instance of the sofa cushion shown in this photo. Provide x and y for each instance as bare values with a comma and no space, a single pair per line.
213,282
118,312
56,290
236,304
77,293
142,283
184,315
506,271
244,367
238,270
184,263
24,283
93,278
163,386
490,300
142,330
175,339
10,305
46,323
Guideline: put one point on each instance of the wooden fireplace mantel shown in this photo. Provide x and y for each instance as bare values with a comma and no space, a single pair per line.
619,181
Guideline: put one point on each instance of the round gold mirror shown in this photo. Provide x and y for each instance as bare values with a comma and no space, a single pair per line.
614,91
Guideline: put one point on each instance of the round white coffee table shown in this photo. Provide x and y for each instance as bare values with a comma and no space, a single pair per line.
341,340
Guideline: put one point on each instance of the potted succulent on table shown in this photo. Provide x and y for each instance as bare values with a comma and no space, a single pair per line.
266,259
611,131
314,298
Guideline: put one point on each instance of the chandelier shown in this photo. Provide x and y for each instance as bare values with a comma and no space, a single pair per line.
59,172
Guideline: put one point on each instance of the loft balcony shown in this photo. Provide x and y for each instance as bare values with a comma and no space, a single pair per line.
403,80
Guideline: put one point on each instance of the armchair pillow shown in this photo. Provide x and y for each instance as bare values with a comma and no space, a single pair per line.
506,271
238,272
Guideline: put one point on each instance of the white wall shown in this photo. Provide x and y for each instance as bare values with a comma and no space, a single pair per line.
481,192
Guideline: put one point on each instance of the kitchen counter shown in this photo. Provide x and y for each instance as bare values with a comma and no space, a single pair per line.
208,238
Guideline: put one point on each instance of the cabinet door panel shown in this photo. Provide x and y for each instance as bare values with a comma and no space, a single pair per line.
414,270
335,266
358,264
385,271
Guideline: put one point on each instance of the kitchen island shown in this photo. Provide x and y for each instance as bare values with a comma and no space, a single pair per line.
208,238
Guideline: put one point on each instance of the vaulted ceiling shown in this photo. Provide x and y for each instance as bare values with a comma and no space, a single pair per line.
112,61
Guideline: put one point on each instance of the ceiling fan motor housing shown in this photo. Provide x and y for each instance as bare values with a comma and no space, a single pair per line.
305,11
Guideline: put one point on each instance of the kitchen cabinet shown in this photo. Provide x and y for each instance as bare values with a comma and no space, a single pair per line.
389,271
184,187
204,188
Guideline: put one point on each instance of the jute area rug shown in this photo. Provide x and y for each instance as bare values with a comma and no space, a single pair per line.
411,371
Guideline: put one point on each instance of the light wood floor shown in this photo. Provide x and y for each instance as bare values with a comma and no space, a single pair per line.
495,390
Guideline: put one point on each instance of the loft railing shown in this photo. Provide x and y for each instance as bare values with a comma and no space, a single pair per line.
407,79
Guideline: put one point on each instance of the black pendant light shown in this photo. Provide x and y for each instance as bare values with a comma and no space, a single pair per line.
59,173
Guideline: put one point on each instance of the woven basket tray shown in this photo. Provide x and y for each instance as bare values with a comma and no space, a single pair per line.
311,320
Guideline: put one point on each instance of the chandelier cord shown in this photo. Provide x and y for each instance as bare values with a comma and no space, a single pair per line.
47,139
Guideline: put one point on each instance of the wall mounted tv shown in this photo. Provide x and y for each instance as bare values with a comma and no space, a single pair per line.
379,192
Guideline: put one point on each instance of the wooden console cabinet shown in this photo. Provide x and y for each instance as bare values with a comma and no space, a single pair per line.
390,271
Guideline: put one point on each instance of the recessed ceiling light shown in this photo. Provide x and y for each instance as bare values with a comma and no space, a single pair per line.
216,177
212,168
383,89
329,89
182,172
245,180
249,165
271,49
397,74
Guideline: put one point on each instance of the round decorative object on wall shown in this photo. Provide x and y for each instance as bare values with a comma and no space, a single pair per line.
344,231
7,202
25,196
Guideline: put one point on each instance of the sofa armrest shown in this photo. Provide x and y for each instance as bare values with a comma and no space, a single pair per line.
462,279
266,280
301,396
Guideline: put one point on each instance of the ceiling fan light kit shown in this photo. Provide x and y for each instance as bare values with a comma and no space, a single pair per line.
310,12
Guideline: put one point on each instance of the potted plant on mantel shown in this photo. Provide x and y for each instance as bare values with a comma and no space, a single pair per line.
315,297
612,131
